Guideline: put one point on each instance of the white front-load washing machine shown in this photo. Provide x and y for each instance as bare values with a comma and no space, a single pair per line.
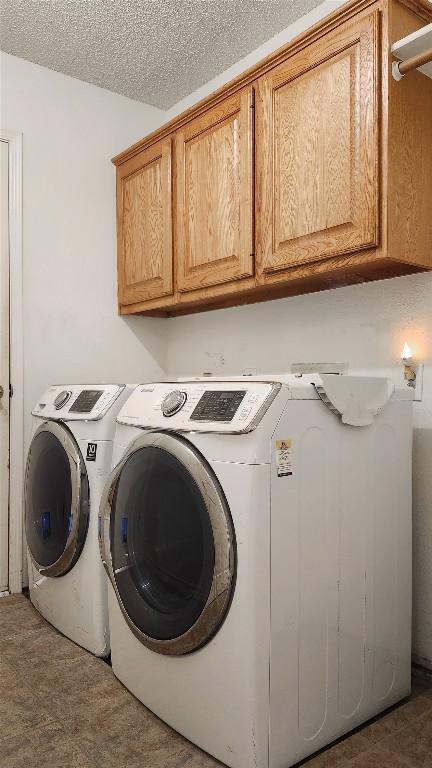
257,537
68,461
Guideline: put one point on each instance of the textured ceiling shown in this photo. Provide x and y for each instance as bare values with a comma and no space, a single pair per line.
156,51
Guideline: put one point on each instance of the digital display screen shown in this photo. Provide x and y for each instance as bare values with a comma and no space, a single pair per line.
86,401
218,405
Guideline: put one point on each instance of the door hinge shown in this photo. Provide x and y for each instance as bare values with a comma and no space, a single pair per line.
11,391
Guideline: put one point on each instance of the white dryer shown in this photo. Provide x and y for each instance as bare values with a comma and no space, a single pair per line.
68,461
257,537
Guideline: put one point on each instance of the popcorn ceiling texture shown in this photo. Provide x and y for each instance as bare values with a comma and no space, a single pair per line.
155,51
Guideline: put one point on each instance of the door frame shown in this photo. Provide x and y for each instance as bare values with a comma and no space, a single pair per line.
16,413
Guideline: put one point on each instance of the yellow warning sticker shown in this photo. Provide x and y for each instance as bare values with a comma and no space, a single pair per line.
284,464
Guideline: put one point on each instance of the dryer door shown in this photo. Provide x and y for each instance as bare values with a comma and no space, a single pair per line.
169,544
56,500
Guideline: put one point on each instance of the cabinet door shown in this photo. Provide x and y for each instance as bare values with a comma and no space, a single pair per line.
214,195
144,225
317,150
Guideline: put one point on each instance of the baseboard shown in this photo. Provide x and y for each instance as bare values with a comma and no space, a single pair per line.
422,665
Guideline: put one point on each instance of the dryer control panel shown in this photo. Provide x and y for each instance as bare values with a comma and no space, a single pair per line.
192,406
77,402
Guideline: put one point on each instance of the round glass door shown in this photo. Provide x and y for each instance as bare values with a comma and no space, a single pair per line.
172,550
56,500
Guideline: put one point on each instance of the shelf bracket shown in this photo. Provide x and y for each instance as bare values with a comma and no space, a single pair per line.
401,68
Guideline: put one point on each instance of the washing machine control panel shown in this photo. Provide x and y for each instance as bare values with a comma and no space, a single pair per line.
77,402
218,405
199,406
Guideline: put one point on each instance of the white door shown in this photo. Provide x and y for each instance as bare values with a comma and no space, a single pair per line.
4,366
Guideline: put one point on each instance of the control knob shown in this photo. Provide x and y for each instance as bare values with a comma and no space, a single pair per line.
173,402
62,398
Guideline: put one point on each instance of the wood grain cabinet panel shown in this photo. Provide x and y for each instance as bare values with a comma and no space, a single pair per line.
214,195
317,150
144,205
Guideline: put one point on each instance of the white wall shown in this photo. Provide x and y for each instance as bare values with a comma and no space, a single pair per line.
71,329
364,326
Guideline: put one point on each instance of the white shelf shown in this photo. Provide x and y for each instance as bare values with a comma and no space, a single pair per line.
412,45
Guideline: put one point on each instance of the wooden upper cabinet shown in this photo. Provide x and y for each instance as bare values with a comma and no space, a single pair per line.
214,195
144,225
309,171
317,150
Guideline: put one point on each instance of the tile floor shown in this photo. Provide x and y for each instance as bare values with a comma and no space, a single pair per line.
61,707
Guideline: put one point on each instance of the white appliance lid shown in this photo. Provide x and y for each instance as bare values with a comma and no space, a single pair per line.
356,399
210,404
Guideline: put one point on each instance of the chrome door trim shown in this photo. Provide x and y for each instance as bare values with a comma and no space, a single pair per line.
80,503
224,573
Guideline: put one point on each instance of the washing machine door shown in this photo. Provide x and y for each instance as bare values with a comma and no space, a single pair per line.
168,544
56,500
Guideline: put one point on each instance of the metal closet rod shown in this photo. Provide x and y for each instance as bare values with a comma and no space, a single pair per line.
400,68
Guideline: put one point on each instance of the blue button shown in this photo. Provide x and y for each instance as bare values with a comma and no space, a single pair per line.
46,525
